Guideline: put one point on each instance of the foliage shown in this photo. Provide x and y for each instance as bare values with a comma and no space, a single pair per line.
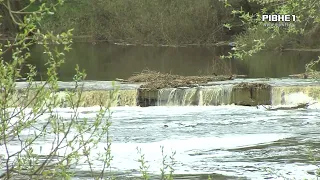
259,34
153,21
167,169
167,166
311,69
29,115
143,167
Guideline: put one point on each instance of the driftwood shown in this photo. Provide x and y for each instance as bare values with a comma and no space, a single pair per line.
121,80
240,75
306,75
299,106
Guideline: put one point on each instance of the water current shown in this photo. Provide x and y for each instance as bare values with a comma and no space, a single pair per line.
227,142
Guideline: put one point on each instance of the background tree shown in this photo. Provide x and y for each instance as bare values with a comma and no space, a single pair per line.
28,115
260,35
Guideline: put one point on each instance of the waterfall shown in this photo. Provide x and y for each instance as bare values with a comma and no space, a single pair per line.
177,97
199,96
202,96
215,95
127,97
101,97
164,96
293,95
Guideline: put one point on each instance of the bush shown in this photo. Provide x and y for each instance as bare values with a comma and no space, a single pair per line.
154,21
28,116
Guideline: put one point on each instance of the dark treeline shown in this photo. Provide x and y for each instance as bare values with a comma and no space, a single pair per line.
140,21
174,22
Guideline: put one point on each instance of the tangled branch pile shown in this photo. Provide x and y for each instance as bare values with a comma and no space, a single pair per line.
157,80
253,85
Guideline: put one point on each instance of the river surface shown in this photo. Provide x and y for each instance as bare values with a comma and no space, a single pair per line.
227,142
108,62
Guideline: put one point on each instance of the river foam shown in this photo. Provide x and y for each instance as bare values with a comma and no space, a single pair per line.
229,140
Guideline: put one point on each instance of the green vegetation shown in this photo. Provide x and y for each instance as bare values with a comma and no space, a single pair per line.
78,136
261,35
36,119
125,21
153,21
182,22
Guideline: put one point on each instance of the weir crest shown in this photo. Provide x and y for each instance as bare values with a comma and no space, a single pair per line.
196,96
250,93
215,95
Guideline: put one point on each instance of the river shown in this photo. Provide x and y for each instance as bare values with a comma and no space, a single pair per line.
227,142
108,62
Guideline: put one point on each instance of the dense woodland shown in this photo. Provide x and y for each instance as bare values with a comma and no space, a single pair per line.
175,22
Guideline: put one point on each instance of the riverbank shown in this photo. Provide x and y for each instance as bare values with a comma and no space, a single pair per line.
93,41
172,24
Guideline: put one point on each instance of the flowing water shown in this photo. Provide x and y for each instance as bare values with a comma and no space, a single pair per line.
202,96
285,92
228,142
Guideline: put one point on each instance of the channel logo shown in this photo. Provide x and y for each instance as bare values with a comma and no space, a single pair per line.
278,18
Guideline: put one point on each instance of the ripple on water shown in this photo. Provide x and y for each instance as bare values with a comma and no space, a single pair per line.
230,140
